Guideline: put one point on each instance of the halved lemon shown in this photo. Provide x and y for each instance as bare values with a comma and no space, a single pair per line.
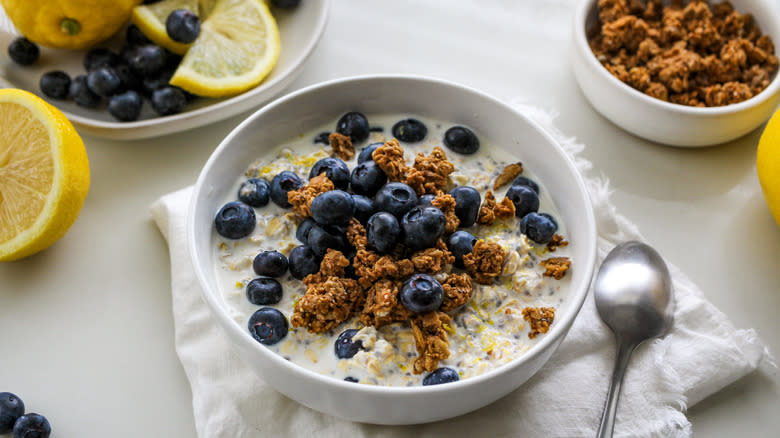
237,47
151,20
44,174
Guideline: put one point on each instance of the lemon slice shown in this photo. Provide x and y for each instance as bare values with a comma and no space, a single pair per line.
151,20
237,47
44,174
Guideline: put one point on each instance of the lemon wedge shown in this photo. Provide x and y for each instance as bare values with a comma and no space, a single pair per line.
237,47
768,164
44,174
151,20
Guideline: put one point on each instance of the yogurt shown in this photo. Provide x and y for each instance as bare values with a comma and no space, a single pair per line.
486,333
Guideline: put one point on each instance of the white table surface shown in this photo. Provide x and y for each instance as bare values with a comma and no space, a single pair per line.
86,333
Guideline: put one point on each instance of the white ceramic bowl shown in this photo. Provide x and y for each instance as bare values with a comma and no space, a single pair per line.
664,122
306,109
300,30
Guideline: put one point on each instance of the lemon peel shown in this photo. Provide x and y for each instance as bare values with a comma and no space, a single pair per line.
768,164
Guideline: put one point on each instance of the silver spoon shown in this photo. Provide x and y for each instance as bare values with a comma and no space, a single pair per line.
633,295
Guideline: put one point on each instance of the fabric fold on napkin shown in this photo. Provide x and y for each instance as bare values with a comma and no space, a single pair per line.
703,353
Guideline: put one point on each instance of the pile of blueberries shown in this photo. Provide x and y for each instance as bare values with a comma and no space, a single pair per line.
391,212
141,69
13,419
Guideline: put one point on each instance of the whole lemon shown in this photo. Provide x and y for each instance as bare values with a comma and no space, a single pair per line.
69,24
768,164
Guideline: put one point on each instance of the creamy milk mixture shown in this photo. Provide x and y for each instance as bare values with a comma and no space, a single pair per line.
485,333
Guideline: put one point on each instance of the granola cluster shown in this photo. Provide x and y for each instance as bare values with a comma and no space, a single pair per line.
539,318
688,53
367,285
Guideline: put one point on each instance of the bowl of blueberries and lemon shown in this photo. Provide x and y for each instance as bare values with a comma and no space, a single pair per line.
389,248
169,55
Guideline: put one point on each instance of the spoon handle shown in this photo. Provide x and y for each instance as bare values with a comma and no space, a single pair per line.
610,408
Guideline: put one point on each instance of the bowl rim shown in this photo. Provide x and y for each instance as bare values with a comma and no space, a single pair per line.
581,39
577,294
265,87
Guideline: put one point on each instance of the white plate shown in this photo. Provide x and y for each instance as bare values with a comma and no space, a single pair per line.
300,29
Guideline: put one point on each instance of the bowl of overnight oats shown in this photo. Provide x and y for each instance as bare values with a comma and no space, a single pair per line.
679,72
392,249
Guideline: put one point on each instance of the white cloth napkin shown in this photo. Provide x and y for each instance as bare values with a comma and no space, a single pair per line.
702,354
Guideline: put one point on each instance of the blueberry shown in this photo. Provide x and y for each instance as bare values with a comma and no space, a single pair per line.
336,170
150,84
523,181
322,137
322,237
172,60
552,218
268,326
270,264
32,425
367,178
11,408
467,202
182,26
168,100
345,347
81,94
135,37
23,51
103,81
441,375
286,4
255,192
461,140
127,52
395,198
100,57
366,153
303,262
410,130
282,183
383,232
264,290
128,79
422,226
354,125
335,207
525,199
55,84
125,107
302,232
350,379
147,60
426,200
421,293
461,243
235,220
364,208
538,227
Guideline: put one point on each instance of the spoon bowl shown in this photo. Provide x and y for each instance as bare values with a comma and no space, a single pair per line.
633,296
633,292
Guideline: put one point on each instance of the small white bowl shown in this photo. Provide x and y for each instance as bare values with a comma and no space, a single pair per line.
300,30
665,122
319,104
